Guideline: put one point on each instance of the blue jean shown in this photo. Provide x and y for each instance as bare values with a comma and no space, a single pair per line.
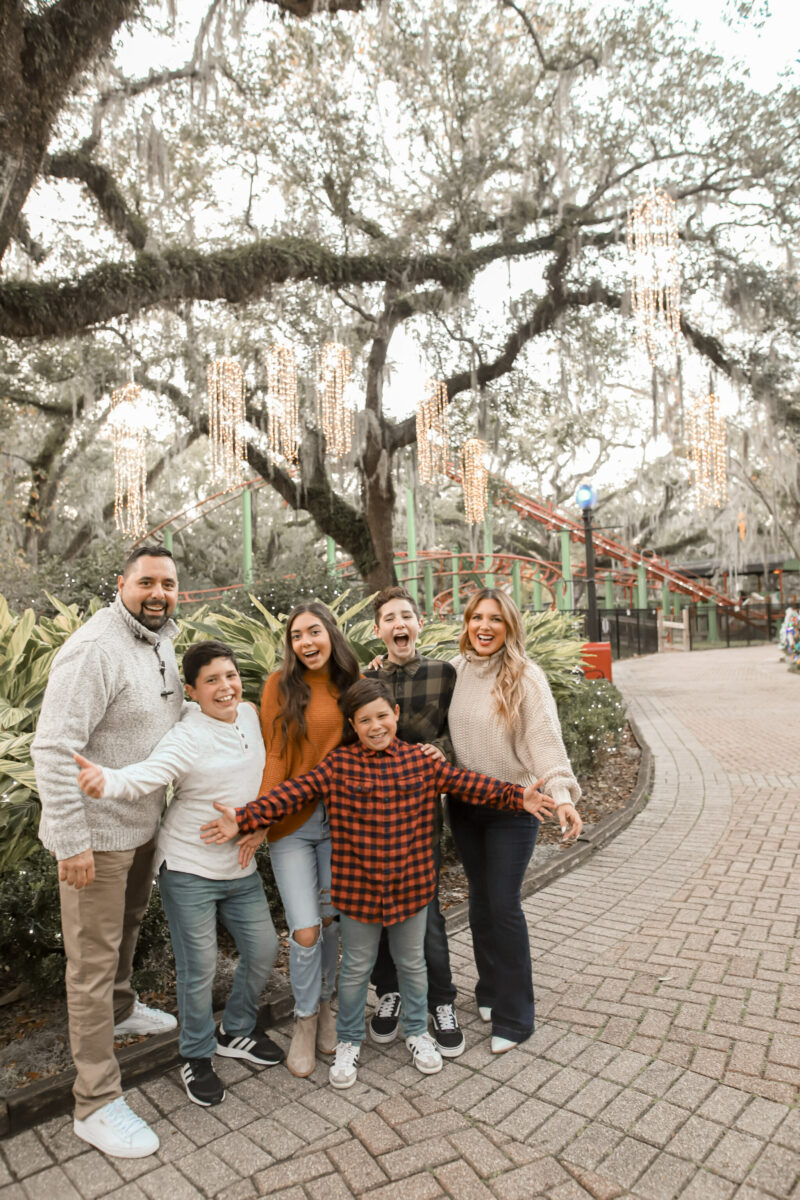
359,949
301,863
441,989
193,904
495,848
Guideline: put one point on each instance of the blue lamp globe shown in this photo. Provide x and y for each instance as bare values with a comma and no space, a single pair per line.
586,496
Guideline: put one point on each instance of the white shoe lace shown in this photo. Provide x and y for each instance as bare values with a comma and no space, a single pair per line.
387,1004
445,1016
346,1057
123,1118
422,1045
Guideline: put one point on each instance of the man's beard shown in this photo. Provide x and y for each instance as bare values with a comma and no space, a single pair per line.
152,620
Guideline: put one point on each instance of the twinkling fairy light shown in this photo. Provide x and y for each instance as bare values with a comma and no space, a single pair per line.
226,421
432,430
334,412
283,419
655,275
475,478
708,449
128,423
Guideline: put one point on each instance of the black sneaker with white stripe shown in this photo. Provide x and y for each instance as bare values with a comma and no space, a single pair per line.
203,1085
446,1031
383,1022
254,1047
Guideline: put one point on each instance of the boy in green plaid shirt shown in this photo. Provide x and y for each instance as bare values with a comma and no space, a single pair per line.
422,688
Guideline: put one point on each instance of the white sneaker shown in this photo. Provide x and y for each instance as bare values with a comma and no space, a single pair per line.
423,1050
484,1013
500,1045
344,1071
116,1130
145,1020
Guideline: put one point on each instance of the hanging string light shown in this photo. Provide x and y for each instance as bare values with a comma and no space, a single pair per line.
655,277
226,420
283,416
335,411
708,445
128,424
432,430
475,478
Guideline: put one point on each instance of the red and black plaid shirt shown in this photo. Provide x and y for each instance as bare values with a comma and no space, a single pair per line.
381,805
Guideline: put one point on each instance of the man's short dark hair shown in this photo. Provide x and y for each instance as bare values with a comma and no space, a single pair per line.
200,654
362,692
394,592
145,552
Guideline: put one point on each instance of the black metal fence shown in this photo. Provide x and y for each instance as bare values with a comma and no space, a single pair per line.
635,630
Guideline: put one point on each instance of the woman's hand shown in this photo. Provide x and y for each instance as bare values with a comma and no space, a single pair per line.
570,821
91,779
431,751
536,803
248,844
376,663
224,828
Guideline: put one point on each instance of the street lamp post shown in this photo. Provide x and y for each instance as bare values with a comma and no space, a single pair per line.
586,499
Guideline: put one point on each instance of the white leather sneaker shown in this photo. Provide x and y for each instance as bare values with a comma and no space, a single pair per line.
145,1020
484,1013
344,1071
501,1045
425,1053
116,1130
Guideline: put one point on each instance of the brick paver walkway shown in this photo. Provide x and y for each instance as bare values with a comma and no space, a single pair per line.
667,1057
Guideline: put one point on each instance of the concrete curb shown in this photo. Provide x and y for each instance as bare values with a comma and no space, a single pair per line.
52,1097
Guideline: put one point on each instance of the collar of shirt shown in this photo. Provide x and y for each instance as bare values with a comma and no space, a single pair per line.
410,668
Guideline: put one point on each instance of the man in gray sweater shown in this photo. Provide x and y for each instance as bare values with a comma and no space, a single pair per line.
113,692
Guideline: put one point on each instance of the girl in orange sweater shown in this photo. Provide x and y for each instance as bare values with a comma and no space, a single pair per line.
301,722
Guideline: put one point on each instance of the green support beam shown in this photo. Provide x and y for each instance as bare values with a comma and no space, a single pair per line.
428,589
665,597
713,635
537,595
488,548
168,538
247,537
564,593
456,586
608,585
516,583
411,526
641,586
330,555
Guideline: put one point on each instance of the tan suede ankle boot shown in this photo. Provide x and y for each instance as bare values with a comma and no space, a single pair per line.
327,1040
301,1058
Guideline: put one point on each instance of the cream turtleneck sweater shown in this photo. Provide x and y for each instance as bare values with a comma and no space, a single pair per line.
533,749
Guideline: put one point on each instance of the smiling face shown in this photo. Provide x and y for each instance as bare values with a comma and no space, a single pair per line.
376,724
310,641
398,628
486,628
150,590
217,689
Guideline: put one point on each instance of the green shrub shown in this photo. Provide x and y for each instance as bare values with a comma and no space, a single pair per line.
31,950
592,720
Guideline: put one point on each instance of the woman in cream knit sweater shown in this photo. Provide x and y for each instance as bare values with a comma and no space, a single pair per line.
503,721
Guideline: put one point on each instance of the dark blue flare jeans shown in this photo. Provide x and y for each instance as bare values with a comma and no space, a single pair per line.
495,848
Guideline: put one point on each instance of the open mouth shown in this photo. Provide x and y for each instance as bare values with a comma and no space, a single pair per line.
401,641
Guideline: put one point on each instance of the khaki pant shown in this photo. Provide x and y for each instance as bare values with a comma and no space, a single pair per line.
100,924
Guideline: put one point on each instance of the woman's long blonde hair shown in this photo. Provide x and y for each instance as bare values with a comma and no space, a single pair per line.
509,687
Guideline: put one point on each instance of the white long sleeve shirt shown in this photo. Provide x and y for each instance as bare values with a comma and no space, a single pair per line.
207,760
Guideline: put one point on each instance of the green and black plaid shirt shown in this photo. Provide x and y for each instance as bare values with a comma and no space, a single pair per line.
423,688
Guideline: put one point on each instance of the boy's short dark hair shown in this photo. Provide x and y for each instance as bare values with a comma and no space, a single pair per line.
200,654
145,552
395,592
362,692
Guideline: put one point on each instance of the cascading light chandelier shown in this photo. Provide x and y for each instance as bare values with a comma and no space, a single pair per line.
432,430
655,276
475,478
335,413
226,421
708,448
127,421
283,416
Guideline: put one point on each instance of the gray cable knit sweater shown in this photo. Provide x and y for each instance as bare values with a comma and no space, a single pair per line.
103,700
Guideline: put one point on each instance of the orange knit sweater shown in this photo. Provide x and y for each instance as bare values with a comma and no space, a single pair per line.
324,726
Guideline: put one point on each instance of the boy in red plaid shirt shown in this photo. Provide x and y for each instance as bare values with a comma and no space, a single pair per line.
381,795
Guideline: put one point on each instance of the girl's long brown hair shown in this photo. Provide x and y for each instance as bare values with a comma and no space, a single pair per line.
509,687
293,690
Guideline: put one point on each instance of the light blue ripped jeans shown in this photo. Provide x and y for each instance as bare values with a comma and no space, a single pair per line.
301,864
